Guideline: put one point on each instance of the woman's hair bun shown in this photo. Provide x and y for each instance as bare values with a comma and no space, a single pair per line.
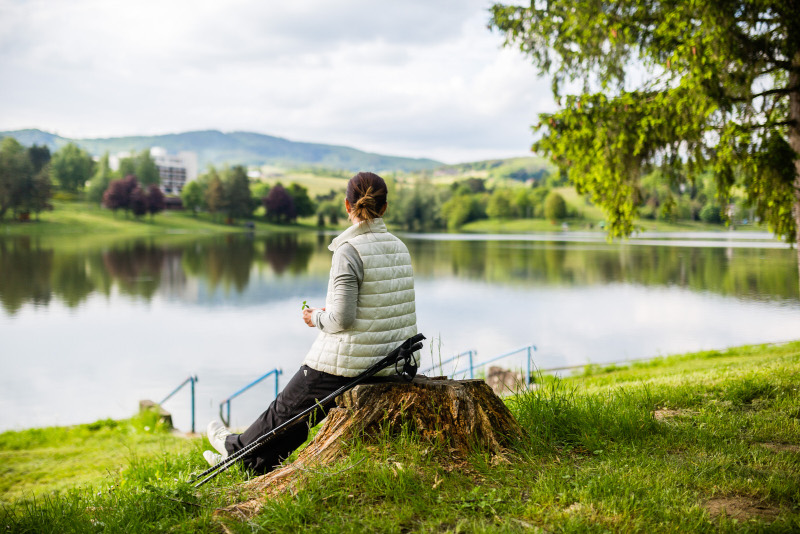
366,192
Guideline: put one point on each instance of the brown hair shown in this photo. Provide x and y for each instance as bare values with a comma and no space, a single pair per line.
366,192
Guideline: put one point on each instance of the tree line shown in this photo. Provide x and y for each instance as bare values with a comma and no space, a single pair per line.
229,193
25,185
31,176
424,206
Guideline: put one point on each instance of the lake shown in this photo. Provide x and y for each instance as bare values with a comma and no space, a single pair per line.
89,327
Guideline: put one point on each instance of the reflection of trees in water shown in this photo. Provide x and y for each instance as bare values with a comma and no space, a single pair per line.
25,270
71,280
135,267
287,252
741,272
32,273
225,260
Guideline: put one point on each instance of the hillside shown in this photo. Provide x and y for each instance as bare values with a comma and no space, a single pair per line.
236,148
518,169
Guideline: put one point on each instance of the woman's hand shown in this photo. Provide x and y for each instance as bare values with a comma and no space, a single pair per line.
307,316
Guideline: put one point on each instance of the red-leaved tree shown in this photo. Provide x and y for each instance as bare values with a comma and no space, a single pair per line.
279,205
118,194
138,201
156,201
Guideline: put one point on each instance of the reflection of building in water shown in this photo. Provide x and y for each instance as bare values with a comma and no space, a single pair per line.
176,170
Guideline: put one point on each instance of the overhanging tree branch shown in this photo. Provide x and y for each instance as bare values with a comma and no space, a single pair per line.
778,91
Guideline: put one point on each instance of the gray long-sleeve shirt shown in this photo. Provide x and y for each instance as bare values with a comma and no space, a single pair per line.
347,273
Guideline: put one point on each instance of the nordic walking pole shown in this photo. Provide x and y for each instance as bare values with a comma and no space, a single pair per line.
404,353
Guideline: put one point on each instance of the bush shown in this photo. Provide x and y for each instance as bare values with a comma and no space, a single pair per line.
555,207
711,213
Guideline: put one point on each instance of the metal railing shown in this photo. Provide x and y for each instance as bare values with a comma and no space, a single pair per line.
471,354
191,380
227,402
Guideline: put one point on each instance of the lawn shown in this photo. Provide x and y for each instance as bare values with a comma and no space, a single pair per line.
704,442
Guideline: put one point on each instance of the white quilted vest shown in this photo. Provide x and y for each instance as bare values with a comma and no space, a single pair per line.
385,316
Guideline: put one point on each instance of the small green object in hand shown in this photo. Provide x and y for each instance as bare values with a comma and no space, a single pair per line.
305,305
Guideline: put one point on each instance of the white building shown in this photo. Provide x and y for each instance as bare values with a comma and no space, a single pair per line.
176,170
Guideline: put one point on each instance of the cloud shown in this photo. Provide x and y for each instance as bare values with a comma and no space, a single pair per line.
414,78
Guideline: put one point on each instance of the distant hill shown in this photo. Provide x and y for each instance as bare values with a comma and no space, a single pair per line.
521,169
237,148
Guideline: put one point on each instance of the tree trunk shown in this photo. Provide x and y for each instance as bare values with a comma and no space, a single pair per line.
794,142
459,416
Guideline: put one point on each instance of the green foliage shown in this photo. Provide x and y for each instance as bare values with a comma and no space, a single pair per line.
416,208
141,165
127,167
711,213
39,157
236,192
215,194
24,182
333,209
100,181
461,209
303,204
555,208
500,205
71,167
260,190
193,197
716,81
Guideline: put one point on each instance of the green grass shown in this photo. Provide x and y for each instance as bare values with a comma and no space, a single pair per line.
315,183
653,447
590,218
517,226
73,218
42,460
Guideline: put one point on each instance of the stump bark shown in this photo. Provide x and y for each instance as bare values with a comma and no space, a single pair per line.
460,416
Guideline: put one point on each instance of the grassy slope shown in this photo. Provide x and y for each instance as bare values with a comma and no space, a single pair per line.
655,447
591,215
73,218
42,460
315,183
80,218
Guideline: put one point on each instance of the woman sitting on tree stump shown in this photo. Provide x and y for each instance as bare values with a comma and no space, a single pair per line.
369,310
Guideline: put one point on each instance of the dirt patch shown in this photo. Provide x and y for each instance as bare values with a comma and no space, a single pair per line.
780,447
665,413
741,508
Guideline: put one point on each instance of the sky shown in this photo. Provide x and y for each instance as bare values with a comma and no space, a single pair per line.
414,78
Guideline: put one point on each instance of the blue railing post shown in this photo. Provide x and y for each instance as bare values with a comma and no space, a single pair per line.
226,418
471,369
192,380
528,375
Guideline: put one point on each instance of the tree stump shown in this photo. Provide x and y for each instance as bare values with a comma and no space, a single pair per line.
458,415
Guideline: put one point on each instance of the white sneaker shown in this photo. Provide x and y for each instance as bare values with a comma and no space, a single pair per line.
212,458
217,433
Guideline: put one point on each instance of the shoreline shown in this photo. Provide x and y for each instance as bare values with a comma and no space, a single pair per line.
77,218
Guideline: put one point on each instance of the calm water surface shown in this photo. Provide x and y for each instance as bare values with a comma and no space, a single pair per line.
87,329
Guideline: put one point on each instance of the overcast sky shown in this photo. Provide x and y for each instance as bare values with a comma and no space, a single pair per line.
413,78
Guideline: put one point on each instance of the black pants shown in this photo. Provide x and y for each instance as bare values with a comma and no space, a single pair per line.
303,391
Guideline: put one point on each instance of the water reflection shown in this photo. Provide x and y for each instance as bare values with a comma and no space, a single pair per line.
750,273
227,308
32,272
